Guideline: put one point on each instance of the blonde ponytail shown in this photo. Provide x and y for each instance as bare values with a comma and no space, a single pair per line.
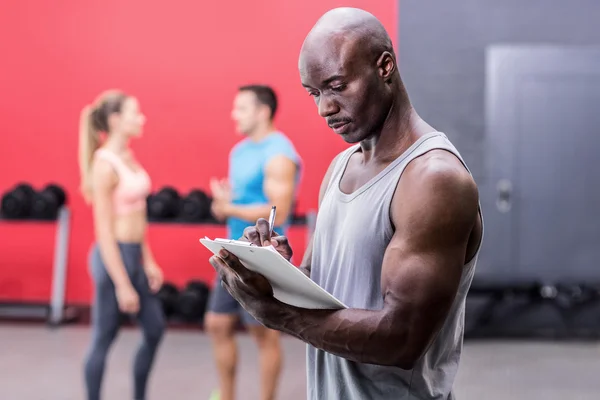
93,121
89,141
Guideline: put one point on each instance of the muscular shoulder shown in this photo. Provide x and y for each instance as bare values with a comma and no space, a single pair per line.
277,144
441,172
279,138
436,191
279,153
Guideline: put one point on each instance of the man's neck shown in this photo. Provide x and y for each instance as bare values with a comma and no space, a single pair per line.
261,133
401,129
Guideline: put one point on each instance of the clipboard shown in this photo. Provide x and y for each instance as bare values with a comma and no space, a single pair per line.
290,285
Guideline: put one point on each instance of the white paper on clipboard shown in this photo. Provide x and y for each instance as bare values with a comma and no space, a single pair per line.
290,285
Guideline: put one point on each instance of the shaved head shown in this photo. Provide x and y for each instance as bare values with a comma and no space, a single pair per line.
347,63
351,24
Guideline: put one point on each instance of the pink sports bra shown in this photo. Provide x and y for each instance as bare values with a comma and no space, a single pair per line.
133,187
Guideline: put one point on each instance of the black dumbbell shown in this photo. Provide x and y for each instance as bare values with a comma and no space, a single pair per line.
196,206
192,301
47,202
168,295
165,204
16,203
574,294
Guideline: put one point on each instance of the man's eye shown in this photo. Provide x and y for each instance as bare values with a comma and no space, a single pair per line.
313,94
338,88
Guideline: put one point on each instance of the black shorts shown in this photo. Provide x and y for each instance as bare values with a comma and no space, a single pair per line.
221,302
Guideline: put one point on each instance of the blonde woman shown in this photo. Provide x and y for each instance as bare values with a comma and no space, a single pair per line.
125,274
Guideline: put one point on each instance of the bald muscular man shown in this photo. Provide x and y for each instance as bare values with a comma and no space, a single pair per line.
397,237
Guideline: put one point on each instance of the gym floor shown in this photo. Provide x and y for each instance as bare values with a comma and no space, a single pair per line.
37,363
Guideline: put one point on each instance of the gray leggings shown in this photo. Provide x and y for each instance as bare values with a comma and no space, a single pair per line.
106,321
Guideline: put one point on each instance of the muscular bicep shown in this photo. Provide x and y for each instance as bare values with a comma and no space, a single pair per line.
424,260
279,185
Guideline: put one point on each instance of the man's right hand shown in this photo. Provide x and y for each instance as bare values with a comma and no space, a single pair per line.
221,193
128,299
282,246
259,235
220,189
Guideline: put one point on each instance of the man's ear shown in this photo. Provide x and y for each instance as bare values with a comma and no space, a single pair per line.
265,111
386,64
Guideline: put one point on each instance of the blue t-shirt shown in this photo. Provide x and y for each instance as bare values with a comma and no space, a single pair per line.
247,162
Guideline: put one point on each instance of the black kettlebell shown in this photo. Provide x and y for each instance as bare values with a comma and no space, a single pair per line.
48,202
192,301
196,206
17,202
168,295
165,204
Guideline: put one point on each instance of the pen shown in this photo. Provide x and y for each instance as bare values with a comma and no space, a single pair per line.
271,221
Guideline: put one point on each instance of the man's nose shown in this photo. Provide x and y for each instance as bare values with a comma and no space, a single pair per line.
327,106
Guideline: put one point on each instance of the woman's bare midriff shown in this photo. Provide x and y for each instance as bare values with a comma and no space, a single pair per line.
130,228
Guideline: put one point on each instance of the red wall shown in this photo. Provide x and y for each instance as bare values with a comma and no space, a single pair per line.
184,62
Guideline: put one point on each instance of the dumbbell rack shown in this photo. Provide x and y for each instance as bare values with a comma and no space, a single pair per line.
54,312
499,308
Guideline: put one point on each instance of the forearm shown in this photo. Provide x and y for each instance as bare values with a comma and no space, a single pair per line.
362,336
248,212
111,257
147,256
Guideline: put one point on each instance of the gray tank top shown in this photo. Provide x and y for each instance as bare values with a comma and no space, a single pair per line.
352,233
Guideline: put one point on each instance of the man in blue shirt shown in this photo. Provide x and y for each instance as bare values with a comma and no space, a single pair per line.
263,171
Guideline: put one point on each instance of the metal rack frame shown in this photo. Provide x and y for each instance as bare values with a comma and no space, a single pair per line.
54,311
59,270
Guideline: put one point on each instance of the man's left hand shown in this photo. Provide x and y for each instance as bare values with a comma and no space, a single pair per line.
252,290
